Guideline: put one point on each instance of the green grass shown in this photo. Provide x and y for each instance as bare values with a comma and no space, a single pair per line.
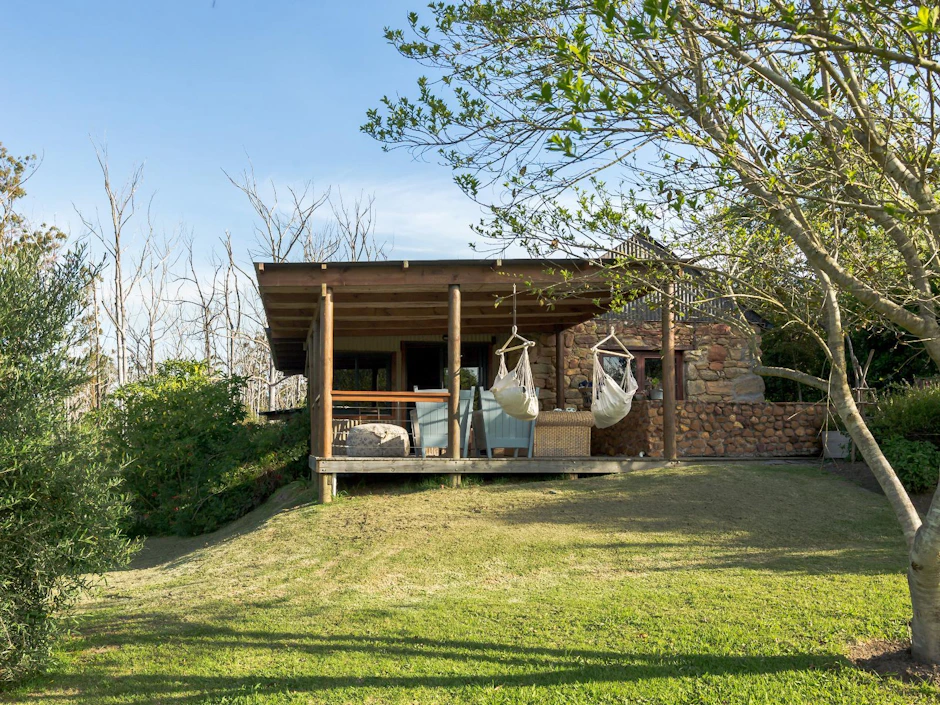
710,584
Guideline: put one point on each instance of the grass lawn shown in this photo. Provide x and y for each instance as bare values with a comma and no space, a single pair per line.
710,584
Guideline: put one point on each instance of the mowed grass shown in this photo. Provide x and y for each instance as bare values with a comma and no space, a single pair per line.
708,584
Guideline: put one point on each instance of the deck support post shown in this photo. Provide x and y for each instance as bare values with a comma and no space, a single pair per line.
313,385
560,369
453,379
669,370
325,484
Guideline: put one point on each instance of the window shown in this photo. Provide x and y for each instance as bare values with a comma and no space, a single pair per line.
649,373
362,372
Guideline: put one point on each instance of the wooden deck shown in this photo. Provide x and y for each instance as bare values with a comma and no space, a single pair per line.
483,466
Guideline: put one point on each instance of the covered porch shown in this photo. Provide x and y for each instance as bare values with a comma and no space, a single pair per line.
406,325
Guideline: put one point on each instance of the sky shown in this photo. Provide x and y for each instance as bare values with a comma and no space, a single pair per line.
192,87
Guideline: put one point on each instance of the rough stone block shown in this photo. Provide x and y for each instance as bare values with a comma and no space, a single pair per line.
377,440
717,353
748,388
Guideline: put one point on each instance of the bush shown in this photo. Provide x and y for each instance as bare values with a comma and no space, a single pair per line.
60,507
191,461
910,413
917,463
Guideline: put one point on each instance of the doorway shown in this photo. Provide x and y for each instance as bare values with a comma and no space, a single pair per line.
426,365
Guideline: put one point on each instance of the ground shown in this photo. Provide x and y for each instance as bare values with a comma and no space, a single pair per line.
718,583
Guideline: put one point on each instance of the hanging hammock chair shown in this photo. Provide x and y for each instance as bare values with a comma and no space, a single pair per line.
611,400
515,390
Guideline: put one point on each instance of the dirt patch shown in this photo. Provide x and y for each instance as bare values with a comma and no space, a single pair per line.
859,474
892,659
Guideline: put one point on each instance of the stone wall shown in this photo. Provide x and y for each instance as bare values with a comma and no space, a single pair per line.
716,363
720,429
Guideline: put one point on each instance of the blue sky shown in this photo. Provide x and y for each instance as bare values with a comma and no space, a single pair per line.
191,89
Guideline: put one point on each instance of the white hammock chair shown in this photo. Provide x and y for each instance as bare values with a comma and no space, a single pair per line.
515,391
611,400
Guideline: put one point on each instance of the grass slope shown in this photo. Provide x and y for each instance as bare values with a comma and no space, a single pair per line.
710,584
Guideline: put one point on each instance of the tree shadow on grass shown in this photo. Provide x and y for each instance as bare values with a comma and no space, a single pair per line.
448,664
730,516
173,551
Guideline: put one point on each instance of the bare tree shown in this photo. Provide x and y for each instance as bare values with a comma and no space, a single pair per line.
355,223
156,311
122,206
232,304
201,292
279,229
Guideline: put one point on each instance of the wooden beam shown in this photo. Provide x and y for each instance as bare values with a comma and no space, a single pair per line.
274,299
325,485
344,395
484,466
453,382
669,373
478,315
560,369
296,333
431,275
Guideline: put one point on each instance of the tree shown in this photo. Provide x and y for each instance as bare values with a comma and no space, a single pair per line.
60,506
122,205
822,116
285,229
280,230
156,313
356,225
204,299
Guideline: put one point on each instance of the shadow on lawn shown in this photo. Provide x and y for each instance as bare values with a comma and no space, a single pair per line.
172,551
781,518
493,665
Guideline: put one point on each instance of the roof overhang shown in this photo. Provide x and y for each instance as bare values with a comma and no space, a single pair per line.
410,298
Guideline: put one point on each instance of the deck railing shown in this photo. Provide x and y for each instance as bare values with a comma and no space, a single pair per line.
352,407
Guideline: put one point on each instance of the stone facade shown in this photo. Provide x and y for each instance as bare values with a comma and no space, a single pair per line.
720,429
716,362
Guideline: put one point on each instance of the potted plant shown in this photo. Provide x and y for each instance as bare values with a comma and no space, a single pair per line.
656,388
835,441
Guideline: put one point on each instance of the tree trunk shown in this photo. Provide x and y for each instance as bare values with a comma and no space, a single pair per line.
923,578
272,384
923,538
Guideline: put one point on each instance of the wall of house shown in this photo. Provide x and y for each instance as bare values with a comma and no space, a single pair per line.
716,362
721,429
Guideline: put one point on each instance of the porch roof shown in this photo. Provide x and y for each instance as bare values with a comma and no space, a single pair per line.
404,298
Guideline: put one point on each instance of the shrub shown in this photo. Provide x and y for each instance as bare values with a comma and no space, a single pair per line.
60,507
917,463
190,459
909,413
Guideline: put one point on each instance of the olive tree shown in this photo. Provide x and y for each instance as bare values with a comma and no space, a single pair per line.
584,117
60,507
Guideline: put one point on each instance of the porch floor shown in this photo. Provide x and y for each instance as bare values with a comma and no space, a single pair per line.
484,466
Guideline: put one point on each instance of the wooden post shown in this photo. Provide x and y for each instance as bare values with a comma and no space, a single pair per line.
560,369
325,484
669,372
313,386
453,382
